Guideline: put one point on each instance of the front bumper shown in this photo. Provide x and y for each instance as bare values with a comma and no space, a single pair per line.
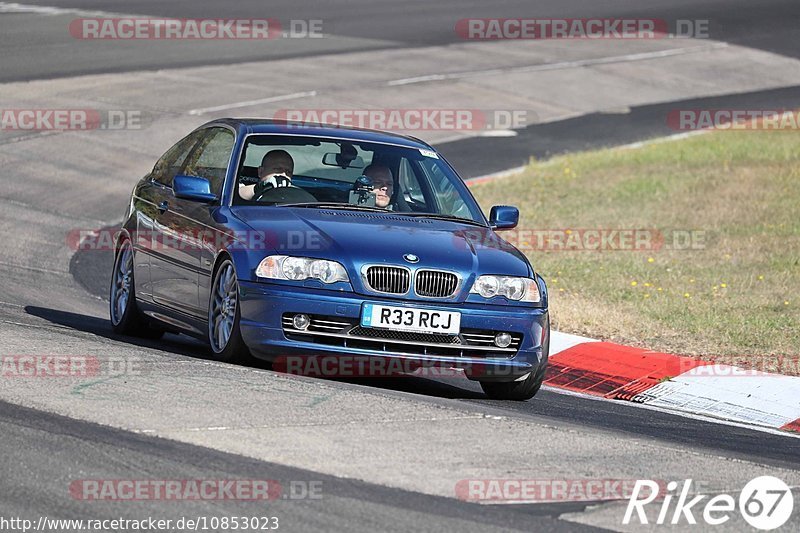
264,307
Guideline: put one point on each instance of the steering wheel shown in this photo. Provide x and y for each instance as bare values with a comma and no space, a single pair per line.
285,195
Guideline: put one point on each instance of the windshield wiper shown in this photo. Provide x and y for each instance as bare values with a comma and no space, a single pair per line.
342,205
450,218
333,205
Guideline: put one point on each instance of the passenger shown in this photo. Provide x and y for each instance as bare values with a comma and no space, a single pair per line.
276,170
383,184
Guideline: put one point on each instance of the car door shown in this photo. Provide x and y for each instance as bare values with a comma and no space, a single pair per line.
211,161
156,190
187,224
172,269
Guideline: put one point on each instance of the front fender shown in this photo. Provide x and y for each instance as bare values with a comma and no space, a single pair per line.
542,290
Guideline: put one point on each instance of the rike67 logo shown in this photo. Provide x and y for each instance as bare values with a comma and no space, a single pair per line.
765,503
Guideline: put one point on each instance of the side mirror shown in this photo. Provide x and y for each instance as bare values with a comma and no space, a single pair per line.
504,217
193,188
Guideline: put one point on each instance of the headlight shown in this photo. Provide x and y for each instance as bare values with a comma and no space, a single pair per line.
301,268
517,289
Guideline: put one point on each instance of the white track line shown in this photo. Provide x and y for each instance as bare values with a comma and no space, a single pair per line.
632,146
642,56
659,140
459,75
13,7
494,175
563,341
249,103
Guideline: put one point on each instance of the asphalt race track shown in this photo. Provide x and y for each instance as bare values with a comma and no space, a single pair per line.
387,453
361,25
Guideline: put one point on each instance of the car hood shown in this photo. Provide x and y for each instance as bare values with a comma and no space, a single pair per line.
357,238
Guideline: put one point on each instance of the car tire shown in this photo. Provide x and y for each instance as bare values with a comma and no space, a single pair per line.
520,390
126,319
224,316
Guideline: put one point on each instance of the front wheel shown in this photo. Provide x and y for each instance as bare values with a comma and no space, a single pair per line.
521,390
126,319
224,316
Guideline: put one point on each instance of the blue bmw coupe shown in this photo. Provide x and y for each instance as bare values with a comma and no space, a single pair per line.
274,240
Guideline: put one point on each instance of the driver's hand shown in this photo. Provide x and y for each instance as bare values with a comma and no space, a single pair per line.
272,182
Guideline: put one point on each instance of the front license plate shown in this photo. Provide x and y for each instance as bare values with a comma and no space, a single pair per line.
411,319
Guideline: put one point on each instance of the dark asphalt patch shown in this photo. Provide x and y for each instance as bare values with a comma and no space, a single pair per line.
478,156
43,453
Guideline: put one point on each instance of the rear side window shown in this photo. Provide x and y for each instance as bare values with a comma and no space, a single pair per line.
172,162
211,157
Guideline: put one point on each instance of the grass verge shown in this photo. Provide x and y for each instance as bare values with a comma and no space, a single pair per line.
732,295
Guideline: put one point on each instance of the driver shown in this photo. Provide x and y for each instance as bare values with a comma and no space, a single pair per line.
382,182
276,170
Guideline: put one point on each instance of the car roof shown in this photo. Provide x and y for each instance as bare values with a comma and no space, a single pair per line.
260,125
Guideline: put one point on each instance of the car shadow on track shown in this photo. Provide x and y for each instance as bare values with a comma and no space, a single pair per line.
424,386
189,347
177,344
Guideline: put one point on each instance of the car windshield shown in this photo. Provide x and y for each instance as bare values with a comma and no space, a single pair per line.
313,171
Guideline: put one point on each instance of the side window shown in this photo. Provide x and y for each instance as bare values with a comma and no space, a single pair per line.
211,157
449,200
171,163
409,184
